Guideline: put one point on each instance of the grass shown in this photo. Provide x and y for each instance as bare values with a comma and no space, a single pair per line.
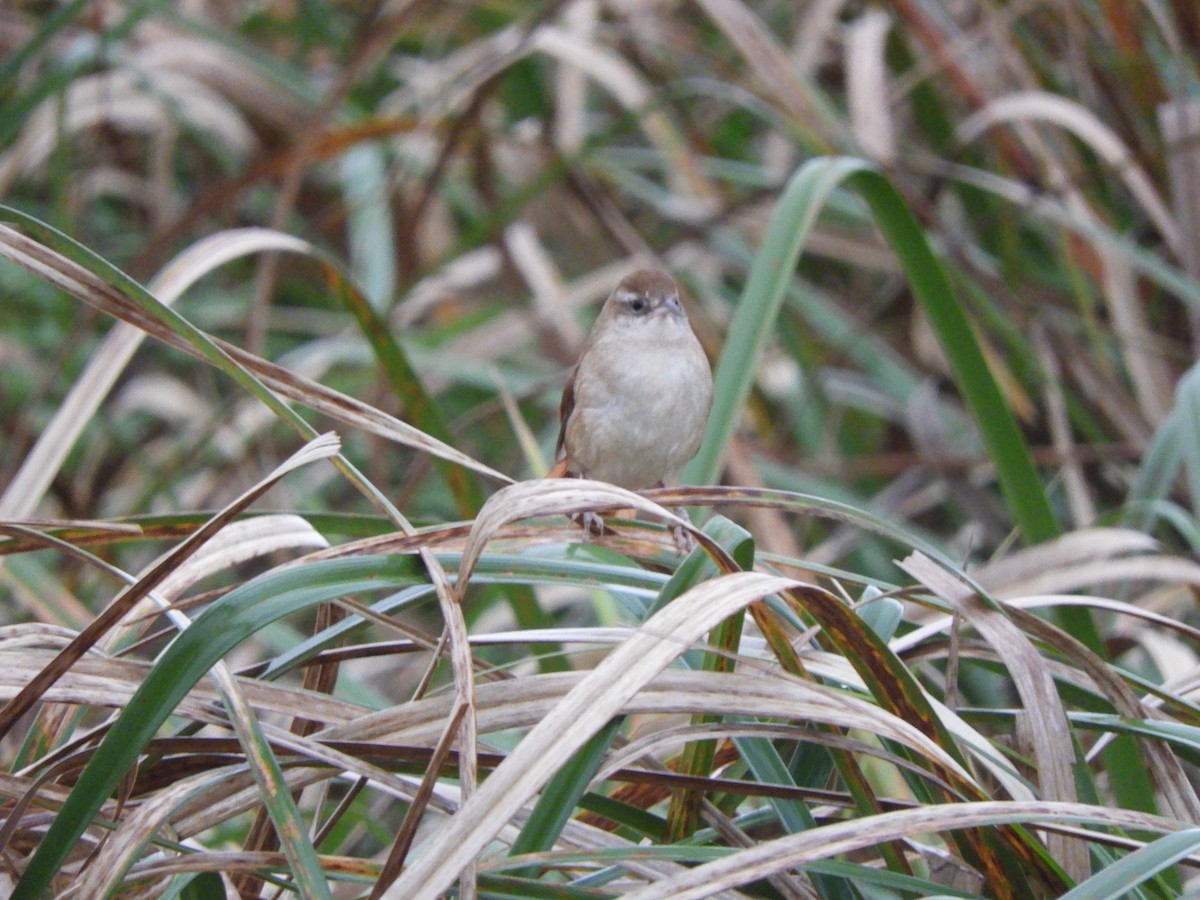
288,608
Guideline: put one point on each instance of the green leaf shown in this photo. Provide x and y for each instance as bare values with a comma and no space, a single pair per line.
767,284
698,757
220,628
883,614
769,768
1141,865
755,320
561,795
202,886
698,567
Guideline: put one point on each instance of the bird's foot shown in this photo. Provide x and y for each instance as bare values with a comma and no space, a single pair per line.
684,541
683,538
592,523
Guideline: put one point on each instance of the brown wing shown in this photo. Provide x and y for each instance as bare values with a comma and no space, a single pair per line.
565,407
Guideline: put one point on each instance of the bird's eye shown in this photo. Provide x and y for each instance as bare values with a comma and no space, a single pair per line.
637,304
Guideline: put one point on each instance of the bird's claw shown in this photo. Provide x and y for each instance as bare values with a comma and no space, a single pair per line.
683,538
592,522
593,525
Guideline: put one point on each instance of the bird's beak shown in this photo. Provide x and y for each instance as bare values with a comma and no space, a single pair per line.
671,304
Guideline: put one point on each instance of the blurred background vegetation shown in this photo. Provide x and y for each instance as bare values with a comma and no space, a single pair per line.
395,220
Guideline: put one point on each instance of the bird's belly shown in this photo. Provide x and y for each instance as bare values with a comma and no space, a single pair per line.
644,438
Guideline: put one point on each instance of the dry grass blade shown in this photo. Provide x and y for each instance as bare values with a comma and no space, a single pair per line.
120,850
570,100
811,703
1179,122
110,359
1049,730
846,837
867,88
76,281
556,496
1087,126
1067,578
772,67
1080,546
622,763
447,191
273,787
462,669
944,623
240,541
1083,510
1176,793
230,862
123,100
1147,369
693,195
534,263
323,447
420,802
523,702
105,681
591,703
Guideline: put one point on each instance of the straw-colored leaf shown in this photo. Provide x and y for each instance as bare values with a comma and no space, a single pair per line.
1048,730
846,837
579,715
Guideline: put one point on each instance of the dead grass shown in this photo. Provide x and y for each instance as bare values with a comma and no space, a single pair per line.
288,606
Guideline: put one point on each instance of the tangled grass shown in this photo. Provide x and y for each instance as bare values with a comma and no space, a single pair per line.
288,605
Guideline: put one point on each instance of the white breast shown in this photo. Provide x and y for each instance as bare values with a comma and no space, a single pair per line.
642,397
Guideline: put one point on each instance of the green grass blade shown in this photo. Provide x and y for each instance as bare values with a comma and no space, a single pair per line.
1019,481
201,886
698,566
561,795
1141,865
769,768
698,757
304,866
766,286
754,319
185,661
406,385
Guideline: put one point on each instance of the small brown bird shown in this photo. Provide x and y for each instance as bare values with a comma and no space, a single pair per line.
636,404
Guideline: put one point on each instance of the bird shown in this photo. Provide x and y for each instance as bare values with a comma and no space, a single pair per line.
636,404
